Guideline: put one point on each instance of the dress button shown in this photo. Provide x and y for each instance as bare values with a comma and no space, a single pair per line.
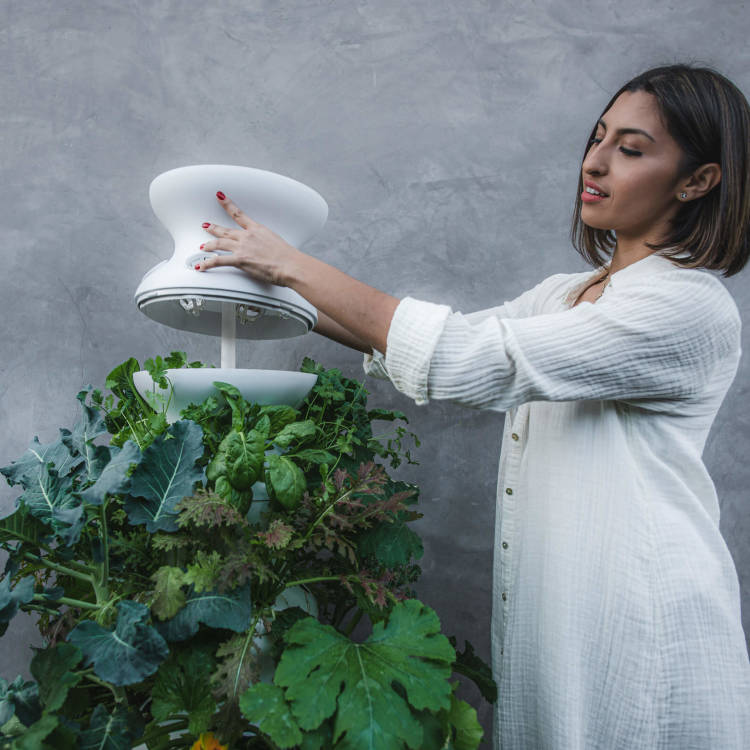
505,545
504,596
508,491
514,436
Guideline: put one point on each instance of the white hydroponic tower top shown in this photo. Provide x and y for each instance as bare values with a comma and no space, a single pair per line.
175,294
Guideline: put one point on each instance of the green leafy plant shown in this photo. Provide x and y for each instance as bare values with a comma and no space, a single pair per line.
210,582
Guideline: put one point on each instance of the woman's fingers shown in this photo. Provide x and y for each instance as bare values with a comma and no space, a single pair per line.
216,260
219,231
239,216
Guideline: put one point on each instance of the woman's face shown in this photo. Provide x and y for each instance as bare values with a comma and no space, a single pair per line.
637,171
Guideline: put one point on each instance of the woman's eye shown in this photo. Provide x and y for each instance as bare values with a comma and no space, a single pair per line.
629,152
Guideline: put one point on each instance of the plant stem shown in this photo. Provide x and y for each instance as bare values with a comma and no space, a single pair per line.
47,563
67,601
105,547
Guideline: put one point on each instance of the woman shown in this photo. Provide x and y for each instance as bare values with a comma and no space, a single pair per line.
616,618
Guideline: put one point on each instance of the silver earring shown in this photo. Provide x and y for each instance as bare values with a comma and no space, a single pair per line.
683,196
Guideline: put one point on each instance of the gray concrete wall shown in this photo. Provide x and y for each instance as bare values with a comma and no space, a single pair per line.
445,136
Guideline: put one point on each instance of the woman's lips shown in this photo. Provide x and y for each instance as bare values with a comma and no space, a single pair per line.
591,198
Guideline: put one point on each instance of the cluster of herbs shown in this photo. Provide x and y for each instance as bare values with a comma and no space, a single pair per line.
207,576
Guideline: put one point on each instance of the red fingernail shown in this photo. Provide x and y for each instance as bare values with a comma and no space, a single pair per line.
197,268
205,225
202,246
220,195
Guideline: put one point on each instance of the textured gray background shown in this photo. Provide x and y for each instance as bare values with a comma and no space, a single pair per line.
445,137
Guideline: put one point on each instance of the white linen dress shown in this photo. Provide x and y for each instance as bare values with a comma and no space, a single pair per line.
616,605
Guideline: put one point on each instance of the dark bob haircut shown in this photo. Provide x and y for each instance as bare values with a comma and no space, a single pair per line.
709,118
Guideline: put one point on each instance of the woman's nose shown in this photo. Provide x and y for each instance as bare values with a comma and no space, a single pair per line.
595,161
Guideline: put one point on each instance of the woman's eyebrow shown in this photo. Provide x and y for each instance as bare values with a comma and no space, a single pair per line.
625,131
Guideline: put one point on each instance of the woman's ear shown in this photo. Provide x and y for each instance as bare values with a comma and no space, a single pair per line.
703,179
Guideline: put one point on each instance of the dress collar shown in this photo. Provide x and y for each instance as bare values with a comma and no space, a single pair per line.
651,264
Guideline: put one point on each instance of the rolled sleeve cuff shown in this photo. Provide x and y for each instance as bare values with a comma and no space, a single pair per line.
412,337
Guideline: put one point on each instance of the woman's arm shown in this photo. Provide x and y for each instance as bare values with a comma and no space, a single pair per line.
362,311
331,329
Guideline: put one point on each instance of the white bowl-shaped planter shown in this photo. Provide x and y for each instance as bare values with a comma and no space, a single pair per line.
175,294
194,385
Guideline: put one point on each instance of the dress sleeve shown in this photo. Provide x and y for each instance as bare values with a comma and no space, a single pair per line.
661,338
519,307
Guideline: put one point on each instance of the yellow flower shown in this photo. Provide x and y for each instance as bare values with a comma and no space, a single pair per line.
207,741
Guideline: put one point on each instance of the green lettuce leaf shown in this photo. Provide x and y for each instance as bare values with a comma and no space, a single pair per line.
10,599
20,698
113,479
239,458
51,668
231,610
285,480
115,731
169,598
166,473
126,655
28,469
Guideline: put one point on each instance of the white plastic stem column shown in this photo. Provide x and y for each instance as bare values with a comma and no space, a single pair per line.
228,335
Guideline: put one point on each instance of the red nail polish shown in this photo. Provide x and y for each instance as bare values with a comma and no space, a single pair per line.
202,246
220,195
198,268
205,225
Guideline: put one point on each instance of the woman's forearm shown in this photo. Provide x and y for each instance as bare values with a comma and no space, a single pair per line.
331,329
361,310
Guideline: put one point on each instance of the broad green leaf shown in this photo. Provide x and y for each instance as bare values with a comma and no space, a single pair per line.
108,731
166,473
240,458
120,380
391,544
295,431
32,738
11,599
182,686
231,610
21,526
471,666
315,455
264,705
326,673
20,698
27,469
90,425
52,669
463,718
127,654
49,497
319,739
169,598
285,480
279,417
113,478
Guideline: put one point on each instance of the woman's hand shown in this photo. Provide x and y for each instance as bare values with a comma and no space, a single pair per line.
254,248
362,310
